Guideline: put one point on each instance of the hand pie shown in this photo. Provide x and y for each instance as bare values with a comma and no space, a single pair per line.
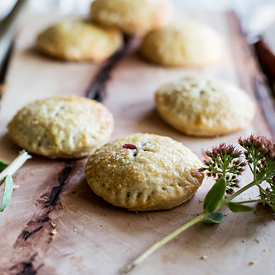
204,106
183,43
134,17
61,127
144,172
75,40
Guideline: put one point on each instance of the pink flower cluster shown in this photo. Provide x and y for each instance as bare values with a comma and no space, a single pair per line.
265,145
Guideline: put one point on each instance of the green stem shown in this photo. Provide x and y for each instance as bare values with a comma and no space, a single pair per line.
270,171
199,218
260,187
256,158
251,169
254,171
254,182
225,166
250,201
165,240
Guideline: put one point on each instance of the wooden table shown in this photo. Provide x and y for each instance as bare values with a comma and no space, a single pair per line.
94,237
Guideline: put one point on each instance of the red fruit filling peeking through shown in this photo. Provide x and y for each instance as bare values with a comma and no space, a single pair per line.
129,146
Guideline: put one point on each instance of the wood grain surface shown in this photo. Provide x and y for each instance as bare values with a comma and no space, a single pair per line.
94,237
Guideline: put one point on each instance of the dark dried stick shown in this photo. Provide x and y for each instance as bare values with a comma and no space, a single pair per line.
97,89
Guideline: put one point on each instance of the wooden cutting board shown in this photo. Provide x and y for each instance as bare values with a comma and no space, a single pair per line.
94,237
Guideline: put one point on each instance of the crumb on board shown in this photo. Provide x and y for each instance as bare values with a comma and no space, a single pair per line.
204,257
54,232
243,241
252,262
75,229
52,224
211,238
200,200
225,214
257,240
265,250
15,186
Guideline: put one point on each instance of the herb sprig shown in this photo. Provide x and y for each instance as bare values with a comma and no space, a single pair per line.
6,171
225,164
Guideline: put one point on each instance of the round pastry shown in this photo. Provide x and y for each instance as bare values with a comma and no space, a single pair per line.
61,127
204,106
183,43
144,172
79,41
132,16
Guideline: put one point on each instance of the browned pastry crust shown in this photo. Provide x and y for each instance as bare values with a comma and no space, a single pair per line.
61,127
204,106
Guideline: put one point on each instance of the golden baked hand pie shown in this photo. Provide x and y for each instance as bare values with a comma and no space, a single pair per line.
132,16
61,127
183,43
204,106
144,172
74,40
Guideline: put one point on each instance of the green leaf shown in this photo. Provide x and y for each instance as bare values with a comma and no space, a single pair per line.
7,193
214,196
3,166
214,218
238,207
260,175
